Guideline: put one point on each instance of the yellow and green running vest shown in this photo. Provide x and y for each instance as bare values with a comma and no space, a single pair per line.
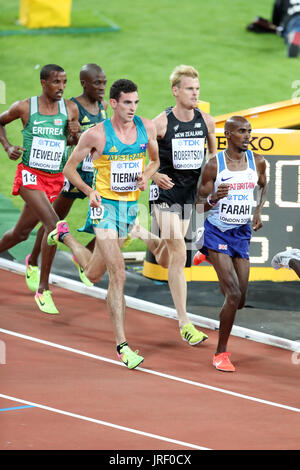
117,169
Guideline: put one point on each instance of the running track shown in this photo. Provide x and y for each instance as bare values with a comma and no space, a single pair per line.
62,386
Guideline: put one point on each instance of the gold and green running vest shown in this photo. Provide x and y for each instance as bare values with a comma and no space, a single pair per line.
117,169
45,138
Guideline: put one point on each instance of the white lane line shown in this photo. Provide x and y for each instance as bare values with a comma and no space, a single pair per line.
152,372
104,423
155,309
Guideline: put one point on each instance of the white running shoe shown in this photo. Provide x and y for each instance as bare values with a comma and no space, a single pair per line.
281,260
199,238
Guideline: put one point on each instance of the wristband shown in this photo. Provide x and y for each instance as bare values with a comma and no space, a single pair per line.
210,201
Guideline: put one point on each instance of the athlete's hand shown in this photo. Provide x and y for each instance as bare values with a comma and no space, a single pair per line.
73,128
163,181
142,182
95,199
222,191
14,152
256,221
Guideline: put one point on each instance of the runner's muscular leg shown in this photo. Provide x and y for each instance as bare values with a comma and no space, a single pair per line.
229,285
96,267
242,268
109,247
39,202
21,231
62,206
172,228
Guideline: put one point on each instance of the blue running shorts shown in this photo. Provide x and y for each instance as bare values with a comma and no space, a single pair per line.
233,242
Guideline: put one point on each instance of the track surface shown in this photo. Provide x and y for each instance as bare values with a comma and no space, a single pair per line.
62,386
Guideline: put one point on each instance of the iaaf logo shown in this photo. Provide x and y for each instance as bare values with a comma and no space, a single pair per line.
264,143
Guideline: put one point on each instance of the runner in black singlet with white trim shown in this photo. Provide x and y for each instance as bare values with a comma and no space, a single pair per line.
181,132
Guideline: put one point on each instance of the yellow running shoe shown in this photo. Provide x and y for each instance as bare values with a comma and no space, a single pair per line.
57,235
81,272
193,336
130,358
32,276
45,302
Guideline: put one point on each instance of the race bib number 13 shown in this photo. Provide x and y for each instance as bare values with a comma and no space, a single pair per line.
28,178
153,192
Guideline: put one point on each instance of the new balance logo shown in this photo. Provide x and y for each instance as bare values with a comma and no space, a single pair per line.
197,125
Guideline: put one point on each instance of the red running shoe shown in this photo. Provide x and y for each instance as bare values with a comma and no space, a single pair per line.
199,258
221,362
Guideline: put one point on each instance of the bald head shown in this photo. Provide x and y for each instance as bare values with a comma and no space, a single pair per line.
93,81
90,70
234,122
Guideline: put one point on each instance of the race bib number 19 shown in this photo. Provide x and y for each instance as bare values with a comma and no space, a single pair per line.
97,212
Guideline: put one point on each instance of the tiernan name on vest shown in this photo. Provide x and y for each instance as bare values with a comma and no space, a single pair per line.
124,177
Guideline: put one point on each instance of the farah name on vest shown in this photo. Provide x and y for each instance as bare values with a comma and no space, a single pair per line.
235,209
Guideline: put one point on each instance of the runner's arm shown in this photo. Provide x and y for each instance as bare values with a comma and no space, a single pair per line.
16,111
91,140
152,147
161,179
262,191
205,190
211,136
74,129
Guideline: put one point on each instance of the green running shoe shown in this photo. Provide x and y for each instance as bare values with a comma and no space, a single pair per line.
130,358
193,336
32,276
81,272
54,237
45,302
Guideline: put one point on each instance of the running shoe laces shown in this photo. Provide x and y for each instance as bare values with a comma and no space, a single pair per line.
222,362
45,302
32,276
193,336
130,358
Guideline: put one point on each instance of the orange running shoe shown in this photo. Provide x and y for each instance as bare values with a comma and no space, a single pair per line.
221,362
199,258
